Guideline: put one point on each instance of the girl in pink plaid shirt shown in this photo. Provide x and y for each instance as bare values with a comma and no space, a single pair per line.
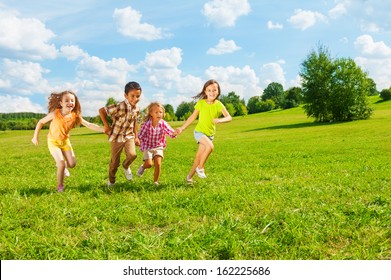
152,137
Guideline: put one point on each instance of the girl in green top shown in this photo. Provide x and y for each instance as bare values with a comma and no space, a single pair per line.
209,109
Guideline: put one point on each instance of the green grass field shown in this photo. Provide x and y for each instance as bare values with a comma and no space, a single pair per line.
279,186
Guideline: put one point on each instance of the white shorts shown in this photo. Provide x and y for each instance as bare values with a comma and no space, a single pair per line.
150,154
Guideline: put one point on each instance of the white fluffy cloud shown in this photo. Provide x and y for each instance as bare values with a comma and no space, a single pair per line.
11,104
271,25
223,47
129,24
96,69
272,72
338,11
243,81
72,52
223,13
162,67
26,38
375,58
305,19
368,46
22,77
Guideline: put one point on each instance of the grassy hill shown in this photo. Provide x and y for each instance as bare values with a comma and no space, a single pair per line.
279,187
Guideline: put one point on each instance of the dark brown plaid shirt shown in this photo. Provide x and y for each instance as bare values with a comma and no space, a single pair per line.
124,118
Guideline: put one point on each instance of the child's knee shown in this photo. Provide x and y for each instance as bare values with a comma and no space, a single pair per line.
60,164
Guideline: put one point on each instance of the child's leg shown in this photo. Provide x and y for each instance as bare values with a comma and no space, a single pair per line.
205,148
196,162
147,163
157,160
208,149
70,159
60,163
130,152
116,149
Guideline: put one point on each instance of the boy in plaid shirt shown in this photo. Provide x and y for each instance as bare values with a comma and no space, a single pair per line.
123,131
152,139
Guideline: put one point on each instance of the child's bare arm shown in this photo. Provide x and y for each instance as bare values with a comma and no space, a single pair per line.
92,126
103,117
39,126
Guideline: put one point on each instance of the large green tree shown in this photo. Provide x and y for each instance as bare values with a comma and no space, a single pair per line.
275,92
184,110
334,90
238,104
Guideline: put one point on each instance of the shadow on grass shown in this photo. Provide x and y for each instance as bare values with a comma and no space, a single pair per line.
292,126
36,191
132,187
121,187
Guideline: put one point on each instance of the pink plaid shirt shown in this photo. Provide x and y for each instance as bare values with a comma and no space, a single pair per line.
153,137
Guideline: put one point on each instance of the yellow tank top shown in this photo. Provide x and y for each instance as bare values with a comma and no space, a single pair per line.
60,126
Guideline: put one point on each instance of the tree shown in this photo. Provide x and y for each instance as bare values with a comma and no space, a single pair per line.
316,76
111,101
293,97
372,87
238,104
334,90
231,109
350,88
275,92
183,109
253,105
267,105
385,94
170,113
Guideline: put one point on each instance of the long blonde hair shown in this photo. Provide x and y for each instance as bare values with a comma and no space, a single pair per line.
54,103
149,110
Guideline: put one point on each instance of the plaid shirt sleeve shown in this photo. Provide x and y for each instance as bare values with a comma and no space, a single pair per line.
168,130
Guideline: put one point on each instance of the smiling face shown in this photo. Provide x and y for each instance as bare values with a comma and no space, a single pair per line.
68,102
133,96
212,92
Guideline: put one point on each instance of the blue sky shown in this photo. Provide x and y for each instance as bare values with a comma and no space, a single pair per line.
172,47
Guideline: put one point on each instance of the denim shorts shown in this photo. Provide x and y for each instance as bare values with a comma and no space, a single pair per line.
198,135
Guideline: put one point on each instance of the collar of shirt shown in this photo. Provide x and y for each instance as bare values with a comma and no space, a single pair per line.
128,104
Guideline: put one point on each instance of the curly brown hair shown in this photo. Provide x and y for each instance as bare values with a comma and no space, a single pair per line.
54,103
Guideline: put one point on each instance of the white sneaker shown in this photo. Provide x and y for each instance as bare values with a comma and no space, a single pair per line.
189,180
110,185
201,173
66,172
156,184
128,174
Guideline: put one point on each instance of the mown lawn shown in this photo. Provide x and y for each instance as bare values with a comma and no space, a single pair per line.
279,186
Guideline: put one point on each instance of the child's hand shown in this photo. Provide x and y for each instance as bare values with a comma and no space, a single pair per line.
216,121
35,141
137,141
178,131
107,130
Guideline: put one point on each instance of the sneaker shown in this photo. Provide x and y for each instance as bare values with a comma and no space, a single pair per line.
189,180
140,171
201,173
60,188
128,174
66,172
110,185
156,184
